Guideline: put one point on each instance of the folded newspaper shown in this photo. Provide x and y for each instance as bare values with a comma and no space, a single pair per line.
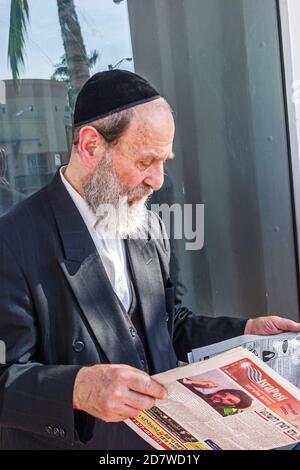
232,401
281,352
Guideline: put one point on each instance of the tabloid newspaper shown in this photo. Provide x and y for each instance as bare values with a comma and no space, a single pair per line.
281,352
233,401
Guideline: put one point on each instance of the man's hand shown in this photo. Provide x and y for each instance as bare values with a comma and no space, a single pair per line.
114,393
201,383
272,325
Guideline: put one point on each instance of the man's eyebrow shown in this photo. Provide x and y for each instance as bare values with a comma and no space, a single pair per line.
171,156
156,157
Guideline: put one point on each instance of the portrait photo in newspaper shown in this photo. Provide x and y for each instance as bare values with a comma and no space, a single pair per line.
219,392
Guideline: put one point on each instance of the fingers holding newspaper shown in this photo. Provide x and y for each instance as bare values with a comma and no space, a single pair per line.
200,383
270,325
114,393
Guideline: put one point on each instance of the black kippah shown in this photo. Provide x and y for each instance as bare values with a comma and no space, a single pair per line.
109,92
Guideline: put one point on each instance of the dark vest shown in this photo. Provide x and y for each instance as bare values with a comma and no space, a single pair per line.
136,326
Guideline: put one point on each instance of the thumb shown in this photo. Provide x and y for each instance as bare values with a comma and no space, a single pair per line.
285,324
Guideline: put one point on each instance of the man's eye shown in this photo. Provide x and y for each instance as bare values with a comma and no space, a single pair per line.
143,165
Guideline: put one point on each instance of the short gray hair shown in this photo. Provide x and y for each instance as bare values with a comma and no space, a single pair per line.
111,127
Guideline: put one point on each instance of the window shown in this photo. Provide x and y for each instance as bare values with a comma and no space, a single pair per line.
37,163
57,159
219,65
36,118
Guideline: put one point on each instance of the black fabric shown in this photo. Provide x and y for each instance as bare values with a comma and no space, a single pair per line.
136,324
111,91
54,293
136,328
137,320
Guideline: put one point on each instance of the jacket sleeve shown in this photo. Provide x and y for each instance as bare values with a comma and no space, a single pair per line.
34,397
191,330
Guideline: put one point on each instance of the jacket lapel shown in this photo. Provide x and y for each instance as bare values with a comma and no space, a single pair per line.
150,292
88,280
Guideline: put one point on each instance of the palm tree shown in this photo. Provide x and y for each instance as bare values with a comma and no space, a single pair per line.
62,72
19,18
76,56
75,52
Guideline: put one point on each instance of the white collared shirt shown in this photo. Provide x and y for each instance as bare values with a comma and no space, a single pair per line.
111,251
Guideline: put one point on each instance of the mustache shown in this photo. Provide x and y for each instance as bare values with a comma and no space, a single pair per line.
142,190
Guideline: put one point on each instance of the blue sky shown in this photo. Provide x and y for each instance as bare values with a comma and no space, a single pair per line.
105,27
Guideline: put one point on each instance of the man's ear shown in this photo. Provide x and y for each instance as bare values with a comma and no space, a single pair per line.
89,146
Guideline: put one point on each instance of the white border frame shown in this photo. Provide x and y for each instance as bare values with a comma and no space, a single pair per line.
289,13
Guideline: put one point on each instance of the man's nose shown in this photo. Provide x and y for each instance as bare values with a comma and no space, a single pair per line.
155,177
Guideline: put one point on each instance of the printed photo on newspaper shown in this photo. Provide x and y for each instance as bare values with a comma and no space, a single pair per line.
233,401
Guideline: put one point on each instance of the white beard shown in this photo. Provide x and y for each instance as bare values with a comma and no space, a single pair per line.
116,218
123,220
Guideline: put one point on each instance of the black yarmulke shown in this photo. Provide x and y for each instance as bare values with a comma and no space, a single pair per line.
111,91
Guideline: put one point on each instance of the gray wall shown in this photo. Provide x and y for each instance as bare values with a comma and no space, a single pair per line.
218,64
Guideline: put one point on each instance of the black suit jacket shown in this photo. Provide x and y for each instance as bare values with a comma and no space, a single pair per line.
58,312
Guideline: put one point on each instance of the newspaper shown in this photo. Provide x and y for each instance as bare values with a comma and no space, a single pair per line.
233,401
281,352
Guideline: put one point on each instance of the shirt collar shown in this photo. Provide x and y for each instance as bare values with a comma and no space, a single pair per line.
85,212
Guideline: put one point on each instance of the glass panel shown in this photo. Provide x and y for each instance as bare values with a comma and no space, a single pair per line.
218,64
36,118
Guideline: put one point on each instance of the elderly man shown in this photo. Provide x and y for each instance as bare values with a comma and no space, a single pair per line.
87,318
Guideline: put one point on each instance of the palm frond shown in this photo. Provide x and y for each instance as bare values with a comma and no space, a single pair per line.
61,73
19,18
92,58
